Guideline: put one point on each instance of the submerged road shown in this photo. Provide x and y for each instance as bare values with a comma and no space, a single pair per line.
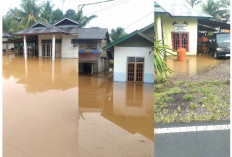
192,140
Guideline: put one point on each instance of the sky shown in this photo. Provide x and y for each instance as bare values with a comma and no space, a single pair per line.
128,14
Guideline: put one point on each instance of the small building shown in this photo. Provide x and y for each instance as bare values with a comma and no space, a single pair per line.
176,23
65,39
133,56
6,44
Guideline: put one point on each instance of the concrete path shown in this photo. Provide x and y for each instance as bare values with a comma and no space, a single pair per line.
192,140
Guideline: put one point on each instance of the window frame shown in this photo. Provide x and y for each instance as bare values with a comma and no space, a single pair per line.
180,40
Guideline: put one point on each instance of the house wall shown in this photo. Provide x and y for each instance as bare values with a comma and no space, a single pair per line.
45,37
10,45
120,62
67,49
168,28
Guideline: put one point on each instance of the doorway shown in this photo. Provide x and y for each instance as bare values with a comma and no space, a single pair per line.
47,49
135,69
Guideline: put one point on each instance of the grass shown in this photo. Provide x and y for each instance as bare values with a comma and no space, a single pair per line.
191,101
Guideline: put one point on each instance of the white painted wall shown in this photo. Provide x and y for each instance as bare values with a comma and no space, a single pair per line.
45,37
67,49
120,60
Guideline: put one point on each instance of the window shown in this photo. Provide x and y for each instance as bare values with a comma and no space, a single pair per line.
180,40
135,69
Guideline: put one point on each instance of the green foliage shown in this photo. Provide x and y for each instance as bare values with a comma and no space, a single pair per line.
161,68
47,10
117,33
218,9
57,15
193,3
79,17
187,101
30,12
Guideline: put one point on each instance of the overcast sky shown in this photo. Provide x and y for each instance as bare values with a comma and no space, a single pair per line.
129,14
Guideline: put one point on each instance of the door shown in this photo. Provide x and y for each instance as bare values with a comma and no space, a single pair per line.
135,69
46,49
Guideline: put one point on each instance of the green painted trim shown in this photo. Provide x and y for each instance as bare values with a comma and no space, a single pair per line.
120,40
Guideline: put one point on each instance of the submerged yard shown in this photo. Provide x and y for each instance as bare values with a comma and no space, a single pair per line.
50,110
201,97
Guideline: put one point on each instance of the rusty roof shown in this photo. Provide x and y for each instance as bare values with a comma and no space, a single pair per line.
83,33
40,30
88,57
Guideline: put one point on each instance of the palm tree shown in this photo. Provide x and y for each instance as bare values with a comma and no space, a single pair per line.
46,13
224,9
212,9
83,20
193,3
30,12
117,33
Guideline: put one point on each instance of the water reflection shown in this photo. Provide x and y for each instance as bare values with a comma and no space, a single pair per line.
193,65
48,110
116,118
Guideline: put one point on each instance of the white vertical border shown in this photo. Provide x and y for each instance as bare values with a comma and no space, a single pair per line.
1,106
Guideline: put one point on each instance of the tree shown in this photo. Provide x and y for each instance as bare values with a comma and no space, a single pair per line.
46,13
193,3
57,15
212,9
29,12
224,9
117,33
11,21
79,17
71,14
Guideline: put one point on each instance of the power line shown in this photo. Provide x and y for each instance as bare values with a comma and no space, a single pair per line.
109,7
138,20
94,3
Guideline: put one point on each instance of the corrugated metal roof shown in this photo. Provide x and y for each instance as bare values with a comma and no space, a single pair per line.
91,33
178,8
40,30
6,35
214,23
88,57
137,32
83,33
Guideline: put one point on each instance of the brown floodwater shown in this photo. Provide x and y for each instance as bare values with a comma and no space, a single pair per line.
193,65
49,110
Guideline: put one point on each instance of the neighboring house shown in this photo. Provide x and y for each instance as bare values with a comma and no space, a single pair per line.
134,57
65,39
177,24
6,45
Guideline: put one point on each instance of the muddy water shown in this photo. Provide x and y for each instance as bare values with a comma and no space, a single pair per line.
51,111
193,65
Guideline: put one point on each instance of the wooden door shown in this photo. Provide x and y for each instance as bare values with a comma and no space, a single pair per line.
135,70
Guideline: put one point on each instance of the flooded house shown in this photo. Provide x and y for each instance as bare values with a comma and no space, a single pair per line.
133,56
177,24
65,39
6,44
